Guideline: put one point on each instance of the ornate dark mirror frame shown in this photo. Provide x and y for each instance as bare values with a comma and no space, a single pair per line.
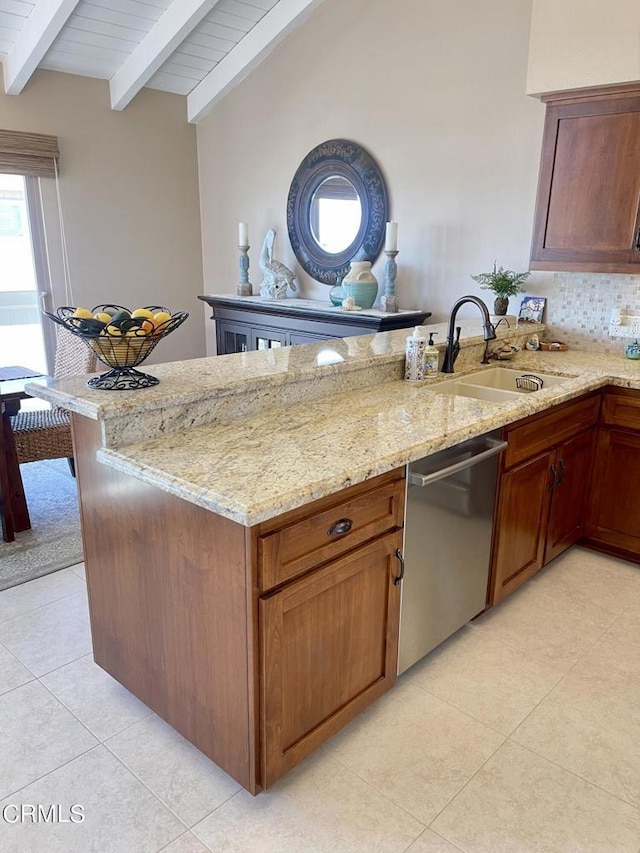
351,161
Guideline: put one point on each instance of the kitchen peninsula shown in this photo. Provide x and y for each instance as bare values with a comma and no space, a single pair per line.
224,589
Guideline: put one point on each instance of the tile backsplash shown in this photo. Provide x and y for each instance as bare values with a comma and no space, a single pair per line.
579,307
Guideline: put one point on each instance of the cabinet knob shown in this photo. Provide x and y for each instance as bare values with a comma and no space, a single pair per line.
340,527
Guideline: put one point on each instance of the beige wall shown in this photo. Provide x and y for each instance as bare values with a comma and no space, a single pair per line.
129,188
575,44
435,91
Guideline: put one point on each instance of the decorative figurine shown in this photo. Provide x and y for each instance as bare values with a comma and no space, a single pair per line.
632,350
349,304
277,277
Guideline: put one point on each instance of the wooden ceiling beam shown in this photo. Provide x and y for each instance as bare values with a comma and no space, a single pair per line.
38,33
154,50
284,17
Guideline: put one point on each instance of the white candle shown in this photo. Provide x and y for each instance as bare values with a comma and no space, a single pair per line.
243,234
391,241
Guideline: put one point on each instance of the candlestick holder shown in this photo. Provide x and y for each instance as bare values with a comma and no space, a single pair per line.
244,287
389,301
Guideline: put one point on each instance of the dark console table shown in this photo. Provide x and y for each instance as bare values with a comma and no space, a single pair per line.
251,323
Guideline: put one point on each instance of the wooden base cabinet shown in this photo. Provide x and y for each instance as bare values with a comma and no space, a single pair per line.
541,498
520,524
256,644
613,522
329,648
572,470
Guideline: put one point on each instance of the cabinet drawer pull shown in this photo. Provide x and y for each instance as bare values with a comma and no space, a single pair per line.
637,243
553,484
340,527
399,577
563,472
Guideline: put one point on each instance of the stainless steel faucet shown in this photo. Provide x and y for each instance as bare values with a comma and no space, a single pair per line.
453,345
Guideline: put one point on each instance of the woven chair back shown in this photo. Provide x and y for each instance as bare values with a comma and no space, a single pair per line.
73,356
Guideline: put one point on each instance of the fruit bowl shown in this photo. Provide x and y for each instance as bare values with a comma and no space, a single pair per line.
120,339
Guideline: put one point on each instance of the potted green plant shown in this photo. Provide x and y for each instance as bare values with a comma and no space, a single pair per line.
504,283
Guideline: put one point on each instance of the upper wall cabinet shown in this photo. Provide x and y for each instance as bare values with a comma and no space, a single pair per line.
587,211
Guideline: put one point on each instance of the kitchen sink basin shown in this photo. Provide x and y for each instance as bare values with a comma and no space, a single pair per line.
497,384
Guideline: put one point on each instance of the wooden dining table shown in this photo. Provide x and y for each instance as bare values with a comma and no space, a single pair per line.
14,513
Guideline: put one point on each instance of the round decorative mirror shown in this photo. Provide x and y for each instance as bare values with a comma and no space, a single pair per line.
335,214
337,209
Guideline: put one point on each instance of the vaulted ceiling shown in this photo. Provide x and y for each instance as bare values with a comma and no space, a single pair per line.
197,48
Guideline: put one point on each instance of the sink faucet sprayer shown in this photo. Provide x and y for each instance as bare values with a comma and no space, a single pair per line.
453,346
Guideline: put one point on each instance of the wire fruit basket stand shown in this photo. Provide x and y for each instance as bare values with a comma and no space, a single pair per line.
122,344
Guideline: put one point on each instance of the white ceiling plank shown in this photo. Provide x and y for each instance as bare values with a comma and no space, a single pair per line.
69,63
206,40
153,51
202,66
128,7
248,54
87,25
12,22
192,49
241,10
230,22
36,37
17,7
171,83
86,37
8,33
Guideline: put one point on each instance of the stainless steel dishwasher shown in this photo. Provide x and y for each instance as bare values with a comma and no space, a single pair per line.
447,545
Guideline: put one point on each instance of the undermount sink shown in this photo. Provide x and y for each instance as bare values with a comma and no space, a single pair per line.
496,384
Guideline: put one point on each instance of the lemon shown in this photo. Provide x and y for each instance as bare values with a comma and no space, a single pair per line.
142,312
83,313
161,317
113,330
102,316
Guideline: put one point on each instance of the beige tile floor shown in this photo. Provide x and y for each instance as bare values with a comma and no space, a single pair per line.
521,734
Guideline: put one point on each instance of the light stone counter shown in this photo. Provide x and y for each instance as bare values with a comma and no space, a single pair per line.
295,444
221,389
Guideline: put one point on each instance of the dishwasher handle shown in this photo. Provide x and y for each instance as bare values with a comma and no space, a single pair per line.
491,447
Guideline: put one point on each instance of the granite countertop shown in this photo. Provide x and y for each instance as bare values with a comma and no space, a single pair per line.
304,422
258,468
215,377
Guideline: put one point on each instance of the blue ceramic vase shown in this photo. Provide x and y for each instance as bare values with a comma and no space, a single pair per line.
336,295
361,284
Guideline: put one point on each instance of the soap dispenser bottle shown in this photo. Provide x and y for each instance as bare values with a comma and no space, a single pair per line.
431,356
414,365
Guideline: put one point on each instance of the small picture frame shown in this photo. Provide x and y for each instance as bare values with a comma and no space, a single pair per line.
532,309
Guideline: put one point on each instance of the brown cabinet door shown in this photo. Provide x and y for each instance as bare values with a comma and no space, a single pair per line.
589,186
521,524
614,509
329,648
568,497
